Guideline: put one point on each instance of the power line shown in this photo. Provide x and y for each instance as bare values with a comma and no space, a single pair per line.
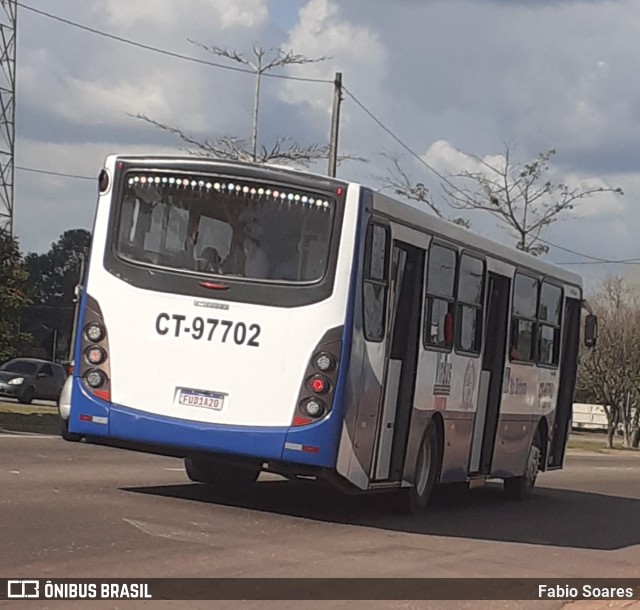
401,143
596,259
52,173
166,52
234,69
388,131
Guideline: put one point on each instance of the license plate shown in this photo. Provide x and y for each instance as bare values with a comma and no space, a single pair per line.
188,397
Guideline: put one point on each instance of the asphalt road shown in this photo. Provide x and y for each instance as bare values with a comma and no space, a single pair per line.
73,509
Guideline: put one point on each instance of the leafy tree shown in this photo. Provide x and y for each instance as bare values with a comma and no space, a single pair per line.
520,195
55,273
13,282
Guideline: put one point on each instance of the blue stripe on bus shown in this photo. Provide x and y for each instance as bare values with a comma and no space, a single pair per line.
325,436
142,427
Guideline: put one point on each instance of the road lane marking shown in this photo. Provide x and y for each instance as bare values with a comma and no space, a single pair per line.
173,533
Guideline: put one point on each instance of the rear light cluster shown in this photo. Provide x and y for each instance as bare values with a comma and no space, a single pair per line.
316,396
94,366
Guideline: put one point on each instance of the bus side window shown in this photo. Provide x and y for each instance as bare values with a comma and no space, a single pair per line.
549,324
376,282
440,320
470,299
524,313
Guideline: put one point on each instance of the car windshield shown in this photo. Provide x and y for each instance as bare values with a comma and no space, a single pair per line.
225,227
23,367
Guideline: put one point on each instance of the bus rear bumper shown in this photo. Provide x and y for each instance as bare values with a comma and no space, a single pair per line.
141,427
98,419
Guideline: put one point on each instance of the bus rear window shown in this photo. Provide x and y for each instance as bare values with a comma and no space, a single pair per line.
218,226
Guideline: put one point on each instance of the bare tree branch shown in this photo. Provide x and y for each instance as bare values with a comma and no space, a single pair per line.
260,65
284,150
400,183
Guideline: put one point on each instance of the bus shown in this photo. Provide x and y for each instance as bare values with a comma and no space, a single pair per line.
251,318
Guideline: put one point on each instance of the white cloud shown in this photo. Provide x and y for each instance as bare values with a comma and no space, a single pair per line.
48,205
217,14
443,76
357,51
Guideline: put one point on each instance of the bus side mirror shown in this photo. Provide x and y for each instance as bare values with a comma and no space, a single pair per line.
590,330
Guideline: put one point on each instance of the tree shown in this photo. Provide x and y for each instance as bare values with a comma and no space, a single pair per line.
521,196
55,275
13,282
400,183
283,150
609,374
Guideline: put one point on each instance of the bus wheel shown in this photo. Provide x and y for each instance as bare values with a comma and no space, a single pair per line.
518,488
414,500
222,473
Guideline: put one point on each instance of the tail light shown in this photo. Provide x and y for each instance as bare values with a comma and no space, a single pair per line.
93,364
316,396
318,384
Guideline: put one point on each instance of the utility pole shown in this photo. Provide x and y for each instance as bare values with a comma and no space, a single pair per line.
8,29
335,124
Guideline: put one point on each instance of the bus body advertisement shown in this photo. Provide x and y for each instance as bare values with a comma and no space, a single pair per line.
253,318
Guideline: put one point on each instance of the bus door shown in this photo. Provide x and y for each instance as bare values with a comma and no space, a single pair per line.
564,400
491,377
403,332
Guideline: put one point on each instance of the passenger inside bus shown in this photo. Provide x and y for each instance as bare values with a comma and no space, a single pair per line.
289,254
247,256
256,260
212,261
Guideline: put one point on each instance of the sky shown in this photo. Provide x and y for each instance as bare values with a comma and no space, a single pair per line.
448,78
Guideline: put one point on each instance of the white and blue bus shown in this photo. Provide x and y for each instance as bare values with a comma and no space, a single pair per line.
254,318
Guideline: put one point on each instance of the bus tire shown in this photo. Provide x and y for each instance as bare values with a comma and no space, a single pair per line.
218,474
413,500
519,488
65,434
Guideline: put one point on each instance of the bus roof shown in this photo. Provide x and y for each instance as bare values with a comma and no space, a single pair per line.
417,216
408,212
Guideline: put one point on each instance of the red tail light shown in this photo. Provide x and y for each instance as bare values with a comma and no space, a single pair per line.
318,384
